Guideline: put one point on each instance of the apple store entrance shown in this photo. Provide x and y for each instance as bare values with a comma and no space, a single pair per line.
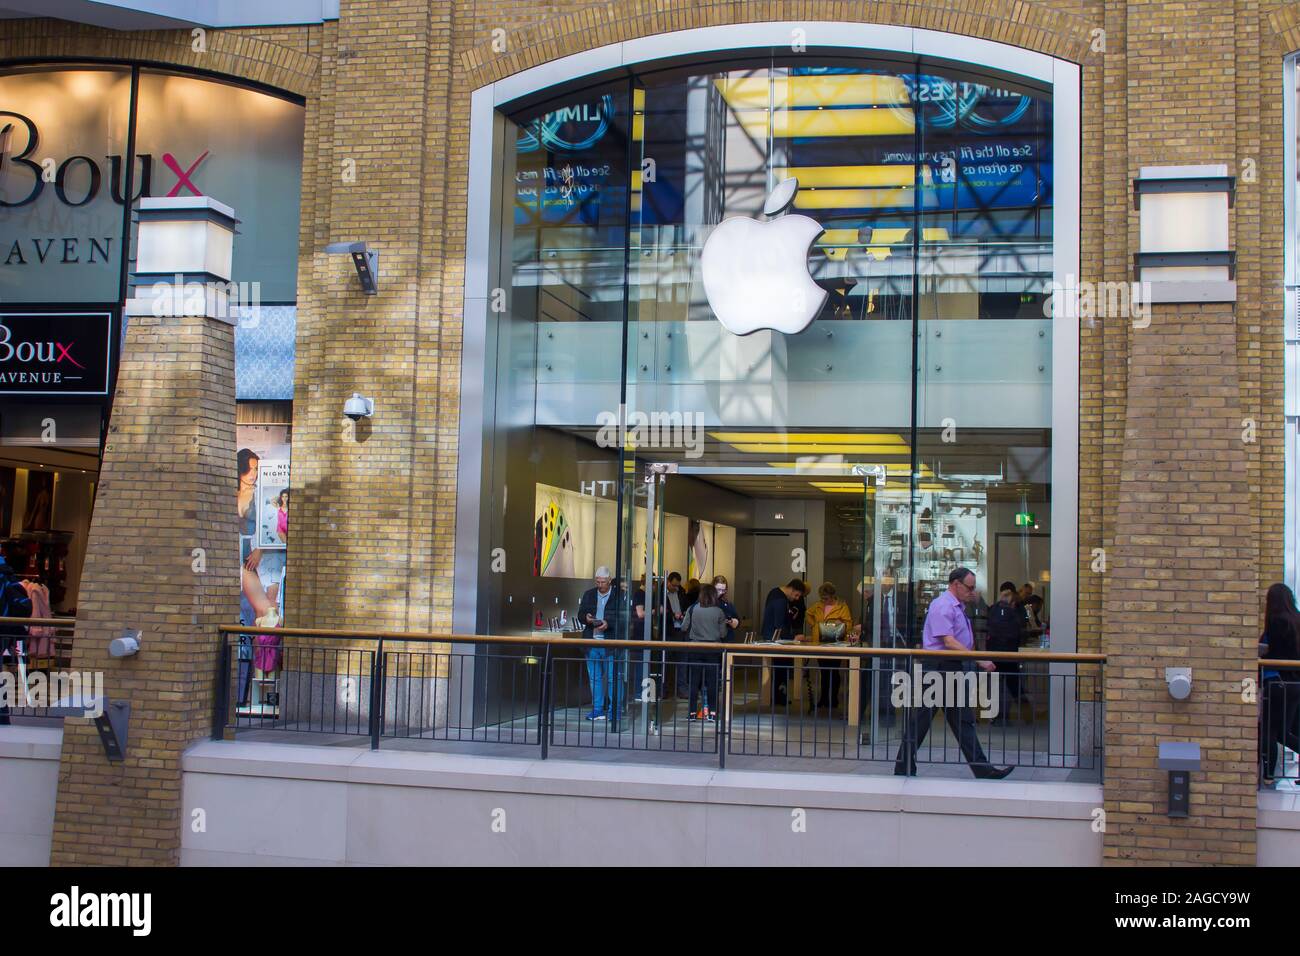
805,300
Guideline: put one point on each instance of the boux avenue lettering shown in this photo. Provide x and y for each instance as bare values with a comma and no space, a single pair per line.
55,353
28,160
26,174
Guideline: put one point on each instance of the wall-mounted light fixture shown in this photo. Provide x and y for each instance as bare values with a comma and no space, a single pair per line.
112,720
366,261
1185,253
1180,758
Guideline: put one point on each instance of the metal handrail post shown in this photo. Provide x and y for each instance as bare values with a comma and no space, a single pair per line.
723,705
223,691
376,694
1099,721
544,718
909,742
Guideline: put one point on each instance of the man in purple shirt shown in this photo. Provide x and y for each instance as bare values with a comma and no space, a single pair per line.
948,628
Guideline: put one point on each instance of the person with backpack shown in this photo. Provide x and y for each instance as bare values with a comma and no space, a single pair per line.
1006,632
705,621
14,602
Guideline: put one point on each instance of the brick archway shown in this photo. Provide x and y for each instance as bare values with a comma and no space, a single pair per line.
232,53
1029,25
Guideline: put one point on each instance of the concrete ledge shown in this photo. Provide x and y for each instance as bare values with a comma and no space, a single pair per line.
284,804
1278,828
1070,801
29,781
1279,809
31,743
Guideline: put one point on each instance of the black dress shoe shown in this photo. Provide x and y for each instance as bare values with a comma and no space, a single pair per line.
994,773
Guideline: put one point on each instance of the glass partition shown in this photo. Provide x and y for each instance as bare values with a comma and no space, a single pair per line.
921,350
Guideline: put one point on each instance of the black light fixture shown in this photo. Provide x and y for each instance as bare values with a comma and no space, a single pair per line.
1180,758
366,260
111,717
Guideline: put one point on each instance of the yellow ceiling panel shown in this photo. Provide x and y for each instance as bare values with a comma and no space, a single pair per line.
889,236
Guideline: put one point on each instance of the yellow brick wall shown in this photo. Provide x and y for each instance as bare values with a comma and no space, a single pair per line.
164,491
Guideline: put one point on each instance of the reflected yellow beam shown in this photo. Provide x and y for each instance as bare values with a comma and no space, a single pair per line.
854,198
845,177
783,92
808,123
857,487
836,242
774,448
891,468
820,438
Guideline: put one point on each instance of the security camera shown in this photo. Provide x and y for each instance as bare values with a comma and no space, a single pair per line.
357,407
126,645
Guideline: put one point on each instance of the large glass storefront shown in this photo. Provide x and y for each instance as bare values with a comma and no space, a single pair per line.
79,145
928,361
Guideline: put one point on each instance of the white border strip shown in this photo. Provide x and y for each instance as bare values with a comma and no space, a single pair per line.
1067,146
1289,543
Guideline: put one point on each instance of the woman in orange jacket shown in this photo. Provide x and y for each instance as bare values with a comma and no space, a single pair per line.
828,620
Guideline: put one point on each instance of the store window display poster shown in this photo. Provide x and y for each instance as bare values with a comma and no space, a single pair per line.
564,533
273,505
263,467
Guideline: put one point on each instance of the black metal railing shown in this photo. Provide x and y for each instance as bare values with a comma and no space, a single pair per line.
1277,694
1036,710
37,664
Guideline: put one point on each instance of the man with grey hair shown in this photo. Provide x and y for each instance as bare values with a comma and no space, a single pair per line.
596,614
947,628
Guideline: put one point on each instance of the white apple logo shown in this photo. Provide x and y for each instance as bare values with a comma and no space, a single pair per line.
756,273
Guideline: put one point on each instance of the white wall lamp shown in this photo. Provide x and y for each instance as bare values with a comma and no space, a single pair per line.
1184,245
183,258
366,261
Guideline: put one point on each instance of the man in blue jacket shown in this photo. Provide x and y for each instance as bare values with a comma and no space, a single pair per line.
599,617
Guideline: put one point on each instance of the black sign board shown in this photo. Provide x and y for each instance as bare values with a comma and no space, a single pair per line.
55,353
